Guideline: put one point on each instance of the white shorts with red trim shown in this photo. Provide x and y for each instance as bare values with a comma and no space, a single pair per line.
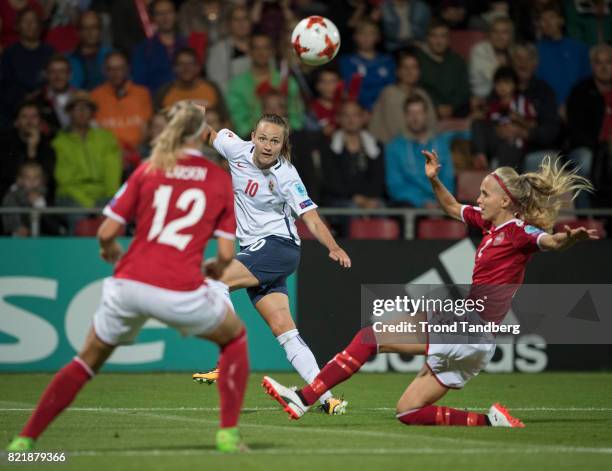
127,304
453,365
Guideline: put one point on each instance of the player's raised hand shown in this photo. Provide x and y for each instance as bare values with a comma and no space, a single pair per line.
581,233
432,163
340,256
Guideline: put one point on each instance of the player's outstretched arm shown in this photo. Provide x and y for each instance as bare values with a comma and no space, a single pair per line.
110,250
321,232
564,240
447,201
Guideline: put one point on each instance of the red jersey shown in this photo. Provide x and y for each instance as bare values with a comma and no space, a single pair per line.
176,213
501,258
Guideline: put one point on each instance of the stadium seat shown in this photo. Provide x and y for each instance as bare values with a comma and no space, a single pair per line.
588,223
441,229
462,41
468,185
375,228
88,227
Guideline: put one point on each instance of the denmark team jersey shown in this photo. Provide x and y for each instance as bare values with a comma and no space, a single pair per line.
500,262
263,199
176,213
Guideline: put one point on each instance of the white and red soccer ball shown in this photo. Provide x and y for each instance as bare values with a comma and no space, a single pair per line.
316,40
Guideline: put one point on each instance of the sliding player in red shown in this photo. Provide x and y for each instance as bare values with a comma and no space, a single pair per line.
514,212
179,200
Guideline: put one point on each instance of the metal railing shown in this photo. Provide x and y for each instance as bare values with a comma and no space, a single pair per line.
408,215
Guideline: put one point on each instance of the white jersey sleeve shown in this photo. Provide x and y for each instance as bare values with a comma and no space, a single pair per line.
293,190
228,144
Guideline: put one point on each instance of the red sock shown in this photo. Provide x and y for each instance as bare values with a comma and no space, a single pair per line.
60,392
440,415
344,365
233,376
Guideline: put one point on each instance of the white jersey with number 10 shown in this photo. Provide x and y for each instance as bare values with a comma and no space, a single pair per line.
263,199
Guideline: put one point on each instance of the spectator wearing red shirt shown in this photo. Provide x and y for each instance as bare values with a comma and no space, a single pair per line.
9,10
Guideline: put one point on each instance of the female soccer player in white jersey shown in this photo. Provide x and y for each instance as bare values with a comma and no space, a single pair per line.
178,200
514,212
267,188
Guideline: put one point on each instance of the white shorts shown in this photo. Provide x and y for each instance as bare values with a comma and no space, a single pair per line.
453,365
127,304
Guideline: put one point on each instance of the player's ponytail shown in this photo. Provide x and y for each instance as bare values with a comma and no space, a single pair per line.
282,122
186,122
539,195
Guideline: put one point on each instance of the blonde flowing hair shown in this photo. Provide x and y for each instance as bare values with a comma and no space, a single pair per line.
186,121
538,196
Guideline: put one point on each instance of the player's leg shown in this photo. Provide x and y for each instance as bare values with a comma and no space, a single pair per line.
274,308
233,366
63,389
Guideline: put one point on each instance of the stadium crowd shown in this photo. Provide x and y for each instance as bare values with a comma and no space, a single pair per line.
83,86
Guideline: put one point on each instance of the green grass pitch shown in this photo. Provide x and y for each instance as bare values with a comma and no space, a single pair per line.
165,421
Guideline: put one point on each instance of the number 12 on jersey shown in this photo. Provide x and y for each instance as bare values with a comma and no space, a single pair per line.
251,188
169,233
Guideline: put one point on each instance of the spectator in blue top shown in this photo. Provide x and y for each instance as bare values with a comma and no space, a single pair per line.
152,58
87,61
407,184
563,61
366,69
404,21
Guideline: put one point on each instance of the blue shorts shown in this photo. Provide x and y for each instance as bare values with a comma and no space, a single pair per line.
271,260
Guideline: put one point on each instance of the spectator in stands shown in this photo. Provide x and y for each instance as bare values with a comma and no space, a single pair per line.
53,96
26,142
487,56
155,126
543,138
407,184
454,13
88,168
188,84
323,110
152,58
87,60
355,170
23,63
502,135
589,21
403,22
230,56
387,119
9,11
589,114
245,91
563,61
204,17
123,107
444,74
489,11
28,191
271,18
131,23
366,71
62,18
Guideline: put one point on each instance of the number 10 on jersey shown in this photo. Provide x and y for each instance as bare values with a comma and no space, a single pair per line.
251,188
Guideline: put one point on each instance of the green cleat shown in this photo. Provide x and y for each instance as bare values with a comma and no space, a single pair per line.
21,444
229,441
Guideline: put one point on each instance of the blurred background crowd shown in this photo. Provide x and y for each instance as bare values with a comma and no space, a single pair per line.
485,83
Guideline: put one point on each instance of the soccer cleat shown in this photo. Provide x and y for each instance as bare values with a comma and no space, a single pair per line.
500,417
229,441
209,378
21,444
333,406
288,398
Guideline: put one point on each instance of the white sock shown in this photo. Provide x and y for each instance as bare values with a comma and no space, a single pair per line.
222,289
302,359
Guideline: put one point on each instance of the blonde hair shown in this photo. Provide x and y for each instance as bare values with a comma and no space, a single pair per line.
186,122
538,196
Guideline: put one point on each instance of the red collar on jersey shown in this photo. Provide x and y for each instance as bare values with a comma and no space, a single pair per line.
505,188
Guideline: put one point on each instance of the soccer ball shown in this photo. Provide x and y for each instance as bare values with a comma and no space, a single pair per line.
316,40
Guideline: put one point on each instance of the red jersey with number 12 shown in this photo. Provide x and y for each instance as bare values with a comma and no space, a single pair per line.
176,213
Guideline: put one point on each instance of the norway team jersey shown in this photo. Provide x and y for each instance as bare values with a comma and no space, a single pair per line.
264,199
504,250
176,213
